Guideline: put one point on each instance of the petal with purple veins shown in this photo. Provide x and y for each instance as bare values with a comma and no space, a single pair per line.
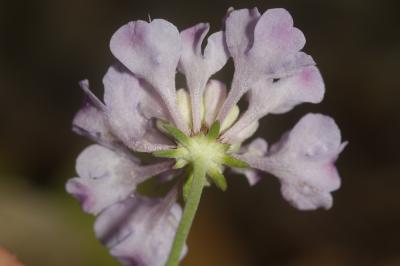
90,121
151,51
239,34
281,96
274,54
139,230
277,45
192,38
275,36
198,67
106,177
304,162
306,198
216,53
239,30
130,105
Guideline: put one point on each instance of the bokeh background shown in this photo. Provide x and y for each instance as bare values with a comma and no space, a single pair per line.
46,47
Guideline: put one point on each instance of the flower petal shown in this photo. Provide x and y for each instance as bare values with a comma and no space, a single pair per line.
305,86
198,67
252,175
139,231
130,106
216,53
304,197
239,30
315,137
273,54
239,33
214,97
151,51
90,120
192,38
242,135
275,30
257,147
304,162
106,177
280,96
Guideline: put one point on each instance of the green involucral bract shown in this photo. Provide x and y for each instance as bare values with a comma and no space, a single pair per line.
203,147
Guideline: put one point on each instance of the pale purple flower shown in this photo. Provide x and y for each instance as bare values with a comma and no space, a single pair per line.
140,97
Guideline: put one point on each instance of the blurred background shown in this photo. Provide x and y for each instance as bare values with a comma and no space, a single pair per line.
46,47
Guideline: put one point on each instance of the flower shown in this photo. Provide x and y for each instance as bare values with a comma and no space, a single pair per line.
199,128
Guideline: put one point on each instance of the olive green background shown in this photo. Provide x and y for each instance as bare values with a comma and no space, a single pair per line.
46,47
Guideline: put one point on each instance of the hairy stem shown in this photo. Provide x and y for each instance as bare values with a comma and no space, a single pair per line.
192,203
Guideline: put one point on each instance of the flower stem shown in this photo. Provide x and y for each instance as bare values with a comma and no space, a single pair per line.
192,203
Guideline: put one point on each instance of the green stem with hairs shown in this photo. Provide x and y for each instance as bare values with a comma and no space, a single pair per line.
192,203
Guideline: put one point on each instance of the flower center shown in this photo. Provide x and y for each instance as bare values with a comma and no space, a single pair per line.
204,149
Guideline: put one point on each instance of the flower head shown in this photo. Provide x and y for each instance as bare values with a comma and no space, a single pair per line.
200,128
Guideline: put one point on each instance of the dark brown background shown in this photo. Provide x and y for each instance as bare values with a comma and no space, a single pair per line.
46,47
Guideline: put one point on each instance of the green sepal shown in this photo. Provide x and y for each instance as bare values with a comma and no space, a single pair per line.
187,186
173,153
167,153
180,163
218,178
213,133
226,147
233,162
177,134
